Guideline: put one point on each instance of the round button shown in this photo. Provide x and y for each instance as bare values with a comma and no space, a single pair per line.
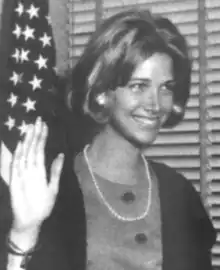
128,197
141,238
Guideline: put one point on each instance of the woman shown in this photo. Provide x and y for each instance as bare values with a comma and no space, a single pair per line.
115,209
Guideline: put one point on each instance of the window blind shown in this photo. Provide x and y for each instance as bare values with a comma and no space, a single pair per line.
213,108
82,22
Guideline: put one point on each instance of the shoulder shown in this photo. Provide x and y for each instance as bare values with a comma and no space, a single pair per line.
175,181
170,177
179,188
176,186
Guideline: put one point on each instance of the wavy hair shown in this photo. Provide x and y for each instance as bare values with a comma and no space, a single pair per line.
118,46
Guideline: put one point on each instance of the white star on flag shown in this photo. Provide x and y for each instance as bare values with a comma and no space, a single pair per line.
29,105
12,100
24,55
33,12
46,40
23,128
36,83
16,55
41,62
20,9
17,31
10,123
28,33
16,78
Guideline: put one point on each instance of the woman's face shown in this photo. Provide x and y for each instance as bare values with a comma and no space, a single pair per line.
139,109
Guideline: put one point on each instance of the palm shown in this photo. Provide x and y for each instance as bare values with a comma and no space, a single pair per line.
32,197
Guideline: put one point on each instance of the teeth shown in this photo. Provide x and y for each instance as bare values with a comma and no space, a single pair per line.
145,121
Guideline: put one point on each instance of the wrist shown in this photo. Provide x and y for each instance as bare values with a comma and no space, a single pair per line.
25,240
20,247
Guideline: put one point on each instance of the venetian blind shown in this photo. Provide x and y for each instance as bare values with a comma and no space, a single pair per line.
213,109
82,22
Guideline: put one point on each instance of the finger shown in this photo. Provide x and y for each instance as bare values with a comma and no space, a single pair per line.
56,170
15,165
31,155
27,143
6,158
40,147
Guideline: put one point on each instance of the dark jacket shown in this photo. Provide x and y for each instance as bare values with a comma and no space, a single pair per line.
187,233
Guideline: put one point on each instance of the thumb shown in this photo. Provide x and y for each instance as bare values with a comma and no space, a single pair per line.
56,169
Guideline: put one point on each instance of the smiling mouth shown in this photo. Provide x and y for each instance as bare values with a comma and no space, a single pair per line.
146,121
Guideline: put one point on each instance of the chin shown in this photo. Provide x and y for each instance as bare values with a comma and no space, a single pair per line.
138,137
142,141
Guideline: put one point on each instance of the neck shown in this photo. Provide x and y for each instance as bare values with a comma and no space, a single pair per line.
115,158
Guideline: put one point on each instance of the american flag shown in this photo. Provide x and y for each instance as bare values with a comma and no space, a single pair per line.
31,75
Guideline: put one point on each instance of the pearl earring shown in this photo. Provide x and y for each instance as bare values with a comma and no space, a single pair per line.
101,99
177,109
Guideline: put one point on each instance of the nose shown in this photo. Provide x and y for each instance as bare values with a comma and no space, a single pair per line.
151,99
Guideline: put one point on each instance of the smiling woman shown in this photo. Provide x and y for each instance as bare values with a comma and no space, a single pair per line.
145,103
115,208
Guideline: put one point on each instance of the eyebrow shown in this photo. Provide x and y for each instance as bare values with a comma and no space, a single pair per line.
148,80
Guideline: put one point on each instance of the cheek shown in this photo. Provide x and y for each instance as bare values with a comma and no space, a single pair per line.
126,102
166,108
166,104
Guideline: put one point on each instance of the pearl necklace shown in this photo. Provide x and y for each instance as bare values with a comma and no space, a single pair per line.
110,208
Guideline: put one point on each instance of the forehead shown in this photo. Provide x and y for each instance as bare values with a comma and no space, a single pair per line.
157,66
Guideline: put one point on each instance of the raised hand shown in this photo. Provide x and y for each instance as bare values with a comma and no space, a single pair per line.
32,195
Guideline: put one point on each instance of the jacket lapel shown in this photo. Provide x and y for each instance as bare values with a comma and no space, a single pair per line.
173,219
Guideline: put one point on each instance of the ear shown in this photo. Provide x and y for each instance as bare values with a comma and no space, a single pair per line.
106,102
110,98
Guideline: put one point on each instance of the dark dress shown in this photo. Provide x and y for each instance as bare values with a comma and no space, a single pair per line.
187,232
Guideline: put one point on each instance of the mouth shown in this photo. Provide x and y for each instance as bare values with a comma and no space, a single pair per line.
146,121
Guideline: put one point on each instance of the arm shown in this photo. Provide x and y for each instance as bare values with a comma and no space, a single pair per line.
204,230
32,196
20,247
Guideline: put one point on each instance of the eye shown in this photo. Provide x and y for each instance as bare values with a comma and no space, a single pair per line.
168,87
137,87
